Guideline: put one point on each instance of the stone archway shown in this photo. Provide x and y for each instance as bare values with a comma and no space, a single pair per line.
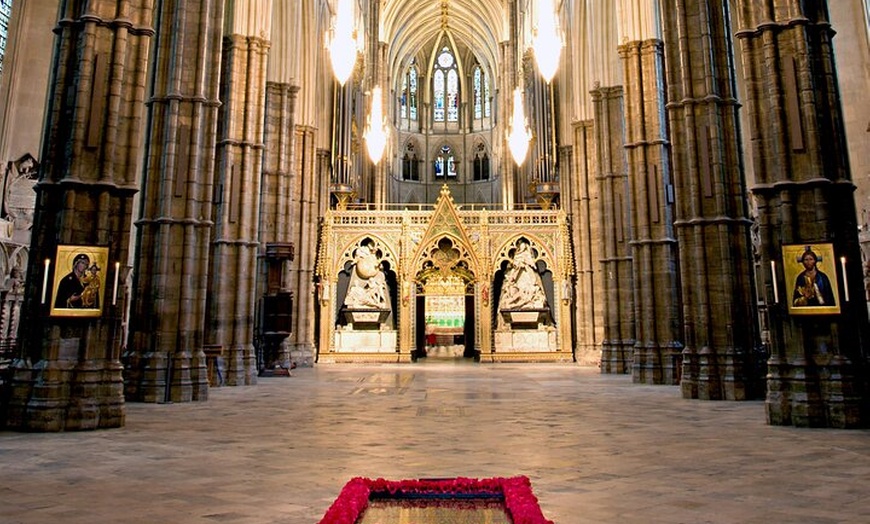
445,316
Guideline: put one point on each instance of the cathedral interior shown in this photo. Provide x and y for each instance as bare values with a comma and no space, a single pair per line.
253,248
198,194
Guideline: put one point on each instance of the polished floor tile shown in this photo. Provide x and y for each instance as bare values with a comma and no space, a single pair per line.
597,448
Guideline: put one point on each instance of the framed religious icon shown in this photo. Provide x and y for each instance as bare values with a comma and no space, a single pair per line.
79,285
811,277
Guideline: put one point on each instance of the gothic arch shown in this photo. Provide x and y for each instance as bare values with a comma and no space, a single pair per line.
377,244
543,260
446,255
542,253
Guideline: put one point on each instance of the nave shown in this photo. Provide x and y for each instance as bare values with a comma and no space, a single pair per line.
597,448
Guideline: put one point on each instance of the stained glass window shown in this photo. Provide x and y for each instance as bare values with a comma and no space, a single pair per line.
452,96
445,88
487,111
867,18
445,59
478,95
5,15
408,97
438,95
412,91
445,163
403,99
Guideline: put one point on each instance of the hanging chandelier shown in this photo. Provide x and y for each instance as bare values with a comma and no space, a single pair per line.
518,130
343,45
547,42
376,133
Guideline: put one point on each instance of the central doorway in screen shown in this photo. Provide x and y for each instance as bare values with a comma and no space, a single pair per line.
445,319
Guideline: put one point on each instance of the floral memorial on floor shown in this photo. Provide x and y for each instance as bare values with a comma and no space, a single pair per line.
513,494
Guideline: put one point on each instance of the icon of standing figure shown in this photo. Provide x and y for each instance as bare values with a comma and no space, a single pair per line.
812,286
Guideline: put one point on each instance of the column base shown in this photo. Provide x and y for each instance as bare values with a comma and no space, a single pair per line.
64,395
147,376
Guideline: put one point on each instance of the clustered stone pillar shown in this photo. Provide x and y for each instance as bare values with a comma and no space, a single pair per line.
653,243
279,194
712,221
165,356
616,262
817,371
314,196
69,375
233,263
580,192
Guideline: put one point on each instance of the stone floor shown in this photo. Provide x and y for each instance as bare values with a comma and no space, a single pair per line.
597,449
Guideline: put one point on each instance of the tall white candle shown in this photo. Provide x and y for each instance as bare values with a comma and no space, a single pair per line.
115,287
845,277
45,279
773,278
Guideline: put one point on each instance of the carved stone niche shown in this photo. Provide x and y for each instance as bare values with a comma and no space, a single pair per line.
19,199
526,318
365,319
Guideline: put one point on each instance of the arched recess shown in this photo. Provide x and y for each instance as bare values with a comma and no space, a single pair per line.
411,160
445,153
387,261
543,260
445,279
481,161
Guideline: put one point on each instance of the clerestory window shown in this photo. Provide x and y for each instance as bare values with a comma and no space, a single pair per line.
445,87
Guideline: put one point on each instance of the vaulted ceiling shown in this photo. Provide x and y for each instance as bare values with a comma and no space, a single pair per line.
411,26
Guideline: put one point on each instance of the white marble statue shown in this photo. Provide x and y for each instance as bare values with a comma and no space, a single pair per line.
367,288
522,287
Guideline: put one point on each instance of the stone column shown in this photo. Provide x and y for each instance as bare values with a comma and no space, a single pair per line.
652,240
313,190
586,231
712,220
290,196
233,261
817,371
68,376
279,195
166,360
614,206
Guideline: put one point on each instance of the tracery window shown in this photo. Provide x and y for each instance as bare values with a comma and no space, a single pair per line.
438,92
410,163
481,94
446,163
408,98
412,92
487,98
867,18
445,87
5,15
481,163
478,93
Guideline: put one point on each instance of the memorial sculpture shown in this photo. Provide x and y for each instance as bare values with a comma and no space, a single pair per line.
522,288
367,288
368,295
